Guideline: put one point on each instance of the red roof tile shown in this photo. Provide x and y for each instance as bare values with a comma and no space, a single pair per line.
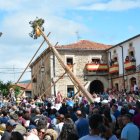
85,45
25,86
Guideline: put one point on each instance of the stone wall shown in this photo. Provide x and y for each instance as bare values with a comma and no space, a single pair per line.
80,59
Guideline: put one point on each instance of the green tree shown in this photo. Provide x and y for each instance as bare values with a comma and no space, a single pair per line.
17,90
4,87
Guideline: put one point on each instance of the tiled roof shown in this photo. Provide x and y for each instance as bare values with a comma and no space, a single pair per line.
85,45
24,85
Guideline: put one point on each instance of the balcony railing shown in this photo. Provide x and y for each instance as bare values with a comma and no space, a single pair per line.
114,69
129,65
96,67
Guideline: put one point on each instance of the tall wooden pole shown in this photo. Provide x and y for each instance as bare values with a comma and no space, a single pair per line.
66,68
31,59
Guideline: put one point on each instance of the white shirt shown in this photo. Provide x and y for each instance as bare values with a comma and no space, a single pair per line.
58,127
135,87
32,137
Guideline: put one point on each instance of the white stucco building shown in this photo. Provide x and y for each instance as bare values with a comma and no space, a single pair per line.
126,69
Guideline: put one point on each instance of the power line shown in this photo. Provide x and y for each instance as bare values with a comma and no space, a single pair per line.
12,73
12,68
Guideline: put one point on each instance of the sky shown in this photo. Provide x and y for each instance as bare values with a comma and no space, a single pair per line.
103,21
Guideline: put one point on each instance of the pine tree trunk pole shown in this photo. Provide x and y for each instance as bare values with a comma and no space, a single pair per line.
66,68
31,59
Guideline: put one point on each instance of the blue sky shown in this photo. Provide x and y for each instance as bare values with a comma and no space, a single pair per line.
104,21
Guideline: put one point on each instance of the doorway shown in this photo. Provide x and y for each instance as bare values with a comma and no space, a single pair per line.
132,83
96,86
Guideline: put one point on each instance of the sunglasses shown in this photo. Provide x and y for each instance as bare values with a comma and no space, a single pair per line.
42,132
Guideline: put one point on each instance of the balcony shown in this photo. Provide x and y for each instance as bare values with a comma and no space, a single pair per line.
96,67
129,65
114,69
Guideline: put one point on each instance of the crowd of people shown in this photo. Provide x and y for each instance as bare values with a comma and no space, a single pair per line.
114,115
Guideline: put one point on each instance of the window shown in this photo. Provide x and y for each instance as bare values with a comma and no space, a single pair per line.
131,53
132,57
114,51
131,44
117,86
70,91
95,61
69,62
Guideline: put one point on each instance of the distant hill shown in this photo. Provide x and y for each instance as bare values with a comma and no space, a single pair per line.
25,81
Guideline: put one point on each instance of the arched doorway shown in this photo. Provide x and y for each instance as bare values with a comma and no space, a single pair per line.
96,86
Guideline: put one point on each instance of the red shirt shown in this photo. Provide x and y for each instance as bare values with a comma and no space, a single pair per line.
136,119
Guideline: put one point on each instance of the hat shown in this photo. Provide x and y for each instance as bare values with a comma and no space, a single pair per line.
2,127
31,127
21,129
11,123
105,102
14,116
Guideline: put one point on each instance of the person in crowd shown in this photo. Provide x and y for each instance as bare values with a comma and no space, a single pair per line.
59,125
10,126
95,123
41,133
5,117
36,117
119,126
130,130
108,134
109,118
50,134
115,111
48,110
19,128
21,120
68,130
27,118
72,113
72,120
63,109
59,97
16,136
32,135
82,125
127,59
136,118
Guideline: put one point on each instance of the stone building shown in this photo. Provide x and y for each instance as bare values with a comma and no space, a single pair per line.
88,61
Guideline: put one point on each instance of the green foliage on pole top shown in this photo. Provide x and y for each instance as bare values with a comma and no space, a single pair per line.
35,31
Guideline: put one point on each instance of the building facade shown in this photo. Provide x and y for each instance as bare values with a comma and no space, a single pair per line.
124,64
97,66
87,60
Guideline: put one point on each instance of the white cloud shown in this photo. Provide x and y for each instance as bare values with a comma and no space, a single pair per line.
112,5
17,47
